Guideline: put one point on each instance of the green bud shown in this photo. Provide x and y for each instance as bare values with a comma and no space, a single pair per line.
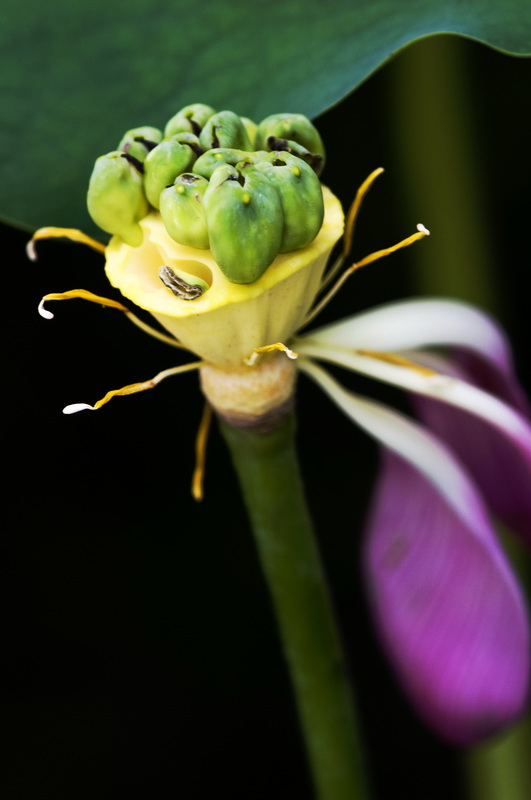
225,129
294,127
212,159
164,163
191,119
301,197
115,197
139,141
245,222
181,209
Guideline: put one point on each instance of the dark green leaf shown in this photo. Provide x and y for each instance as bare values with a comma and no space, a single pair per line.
76,75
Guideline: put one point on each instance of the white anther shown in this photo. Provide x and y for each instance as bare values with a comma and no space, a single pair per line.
44,311
422,229
31,252
73,408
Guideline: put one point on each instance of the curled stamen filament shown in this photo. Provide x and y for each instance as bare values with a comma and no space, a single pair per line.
270,348
132,388
61,233
83,294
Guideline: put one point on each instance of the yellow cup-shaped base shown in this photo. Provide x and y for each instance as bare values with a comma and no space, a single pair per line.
229,320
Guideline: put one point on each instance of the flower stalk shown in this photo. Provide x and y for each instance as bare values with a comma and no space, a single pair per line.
267,468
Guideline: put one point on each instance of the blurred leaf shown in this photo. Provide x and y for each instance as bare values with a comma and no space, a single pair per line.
76,74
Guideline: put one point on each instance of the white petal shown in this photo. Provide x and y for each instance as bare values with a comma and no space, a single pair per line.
419,323
441,387
411,441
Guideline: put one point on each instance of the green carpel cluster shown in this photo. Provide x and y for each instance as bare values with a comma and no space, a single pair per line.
246,192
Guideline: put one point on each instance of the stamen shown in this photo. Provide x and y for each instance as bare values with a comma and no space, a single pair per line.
354,210
349,226
61,233
83,294
396,360
200,453
269,348
422,232
133,388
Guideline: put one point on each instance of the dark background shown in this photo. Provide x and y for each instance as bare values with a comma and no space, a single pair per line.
141,654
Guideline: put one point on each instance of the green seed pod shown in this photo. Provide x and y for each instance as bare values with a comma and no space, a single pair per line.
190,139
190,119
212,159
164,163
225,129
315,160
250,128
295,127
301,197
181,209
245,222
115,197
139,141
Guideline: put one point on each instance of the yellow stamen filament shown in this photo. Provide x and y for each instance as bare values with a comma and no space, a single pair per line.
415,237
133,388
61,233
354,210
200,453
421,233
349,226
398,361
269,348
83,294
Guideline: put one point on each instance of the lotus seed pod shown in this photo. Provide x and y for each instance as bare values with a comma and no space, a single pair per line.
245,222
225,129
250,127
139,141
163,164
212,159
295,127
191,119
181,209
115,197
301,197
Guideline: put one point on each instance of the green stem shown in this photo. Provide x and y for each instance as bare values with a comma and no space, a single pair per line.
500,770
267,468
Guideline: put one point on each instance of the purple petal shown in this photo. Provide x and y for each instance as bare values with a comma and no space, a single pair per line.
501,466
447,607
483,370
